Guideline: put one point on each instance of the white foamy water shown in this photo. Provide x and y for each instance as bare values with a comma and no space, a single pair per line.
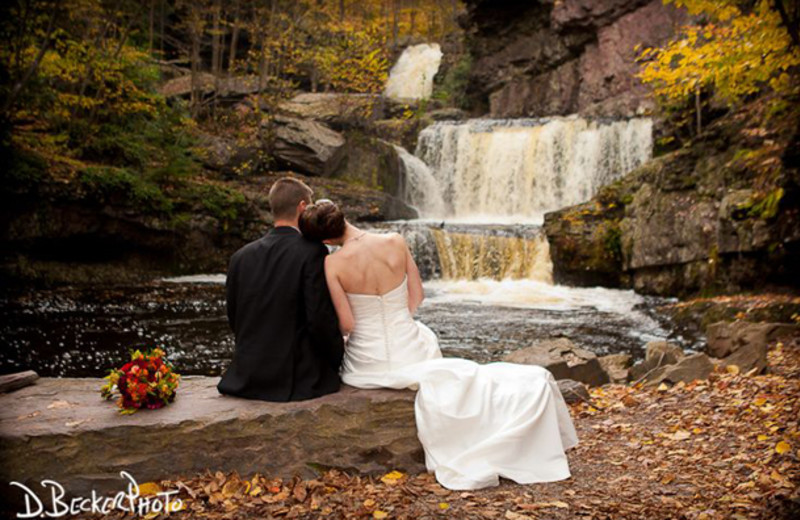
198,278
530,294
516,170
524,293
412,75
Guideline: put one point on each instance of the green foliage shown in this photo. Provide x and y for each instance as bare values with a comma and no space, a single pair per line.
220,201
107,182
764,206
26,170
612,241
453,87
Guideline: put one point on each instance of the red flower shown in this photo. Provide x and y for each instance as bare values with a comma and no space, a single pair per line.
147,381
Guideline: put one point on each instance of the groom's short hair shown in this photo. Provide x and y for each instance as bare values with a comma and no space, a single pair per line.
286,194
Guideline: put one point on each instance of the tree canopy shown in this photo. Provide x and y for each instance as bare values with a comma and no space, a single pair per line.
731,50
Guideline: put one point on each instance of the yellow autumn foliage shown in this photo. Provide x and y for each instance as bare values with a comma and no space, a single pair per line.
730,51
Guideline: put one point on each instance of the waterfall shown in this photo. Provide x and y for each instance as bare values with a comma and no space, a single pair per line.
420,188
496,170
473,252
412,75
471,257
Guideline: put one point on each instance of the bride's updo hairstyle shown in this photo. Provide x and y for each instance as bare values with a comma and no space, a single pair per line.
322,220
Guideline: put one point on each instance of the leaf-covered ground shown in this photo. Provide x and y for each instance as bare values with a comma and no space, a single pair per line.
726,448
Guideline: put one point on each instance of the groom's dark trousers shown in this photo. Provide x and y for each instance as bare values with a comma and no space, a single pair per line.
288,343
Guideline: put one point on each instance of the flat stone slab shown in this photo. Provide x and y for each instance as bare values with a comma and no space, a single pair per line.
62,429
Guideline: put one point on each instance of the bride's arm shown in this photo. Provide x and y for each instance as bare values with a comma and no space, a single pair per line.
415,292
339,298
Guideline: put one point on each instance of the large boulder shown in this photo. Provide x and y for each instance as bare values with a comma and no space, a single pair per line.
725,338
60,429
340,111
657,354
206,83
573,391
617,366
744,344
749,357
303,145
231,156
563,359
688,369
367,161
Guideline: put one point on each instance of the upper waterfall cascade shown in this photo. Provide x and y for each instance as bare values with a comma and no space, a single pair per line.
518,169
412,75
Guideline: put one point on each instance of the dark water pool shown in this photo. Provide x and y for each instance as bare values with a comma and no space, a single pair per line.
85,331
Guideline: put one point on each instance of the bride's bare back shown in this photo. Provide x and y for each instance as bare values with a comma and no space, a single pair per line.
371,264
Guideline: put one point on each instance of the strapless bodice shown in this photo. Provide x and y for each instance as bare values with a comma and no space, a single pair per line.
385,337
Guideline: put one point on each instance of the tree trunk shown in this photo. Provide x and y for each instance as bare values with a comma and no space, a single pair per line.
790,24
216,49
195,61
162,16
412,15
698,110
395,16
20,84
152,22
234,38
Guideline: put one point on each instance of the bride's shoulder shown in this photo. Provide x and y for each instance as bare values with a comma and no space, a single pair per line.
394,237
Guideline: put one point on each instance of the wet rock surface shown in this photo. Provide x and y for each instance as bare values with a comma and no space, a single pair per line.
60,429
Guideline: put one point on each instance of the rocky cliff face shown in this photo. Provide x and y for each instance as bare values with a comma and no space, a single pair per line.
556,57
718,216
70,231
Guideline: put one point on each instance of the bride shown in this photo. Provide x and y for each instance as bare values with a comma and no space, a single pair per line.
476,422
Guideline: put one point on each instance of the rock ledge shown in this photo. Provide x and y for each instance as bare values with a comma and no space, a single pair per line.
61,429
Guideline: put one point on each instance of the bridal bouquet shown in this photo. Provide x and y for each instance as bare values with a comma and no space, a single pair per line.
146,381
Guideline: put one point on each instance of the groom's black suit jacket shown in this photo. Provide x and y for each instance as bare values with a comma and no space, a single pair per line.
288,343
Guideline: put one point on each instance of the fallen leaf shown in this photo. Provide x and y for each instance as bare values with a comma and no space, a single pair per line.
149,488
392,477
782,447
681,435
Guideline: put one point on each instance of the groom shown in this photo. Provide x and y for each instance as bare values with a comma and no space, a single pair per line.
288,343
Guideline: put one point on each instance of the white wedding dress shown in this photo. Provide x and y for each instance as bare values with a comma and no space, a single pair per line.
476,422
